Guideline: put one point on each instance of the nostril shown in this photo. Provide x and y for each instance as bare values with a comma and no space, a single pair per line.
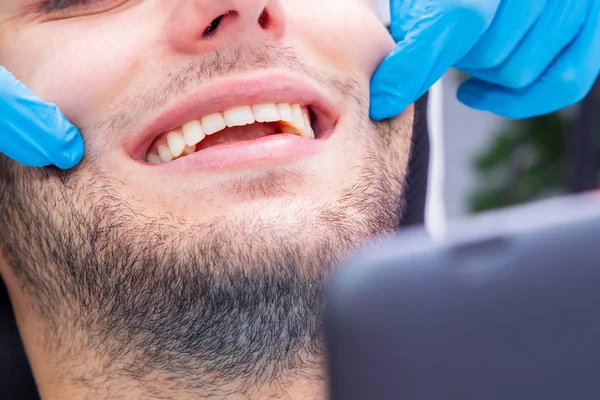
211,29
264,19
215,24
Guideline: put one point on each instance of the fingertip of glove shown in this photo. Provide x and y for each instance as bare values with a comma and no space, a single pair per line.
71,147
384,107
69,159
477,101
72,153
377,114
467,95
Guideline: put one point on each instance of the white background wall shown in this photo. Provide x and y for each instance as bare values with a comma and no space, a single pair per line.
467,133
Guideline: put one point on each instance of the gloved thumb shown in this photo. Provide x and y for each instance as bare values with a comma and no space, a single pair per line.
32,131
432,36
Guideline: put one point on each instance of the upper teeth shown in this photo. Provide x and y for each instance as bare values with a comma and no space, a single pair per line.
294,119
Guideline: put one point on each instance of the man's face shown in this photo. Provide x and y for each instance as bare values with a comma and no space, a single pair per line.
231,238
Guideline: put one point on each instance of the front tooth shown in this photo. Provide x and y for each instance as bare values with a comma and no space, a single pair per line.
164,153
308,130
213,123
239,116
266,113
299,120
298,116
193,133
285,112
301,123
176,143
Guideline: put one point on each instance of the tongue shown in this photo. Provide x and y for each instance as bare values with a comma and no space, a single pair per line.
240,134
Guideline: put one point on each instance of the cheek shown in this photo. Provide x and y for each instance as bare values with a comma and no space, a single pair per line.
82,74
356,42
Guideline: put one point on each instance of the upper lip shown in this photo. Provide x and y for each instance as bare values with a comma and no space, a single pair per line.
227,93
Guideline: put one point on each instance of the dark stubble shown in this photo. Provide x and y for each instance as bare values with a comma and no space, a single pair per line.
195,299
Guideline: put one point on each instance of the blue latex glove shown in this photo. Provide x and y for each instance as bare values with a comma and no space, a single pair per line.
525,57
33,132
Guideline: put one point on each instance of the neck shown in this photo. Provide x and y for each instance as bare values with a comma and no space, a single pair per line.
92,379
66,366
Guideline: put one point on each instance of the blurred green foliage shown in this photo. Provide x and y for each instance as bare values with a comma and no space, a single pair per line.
525,162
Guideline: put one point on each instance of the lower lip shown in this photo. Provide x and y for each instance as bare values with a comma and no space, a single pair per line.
269,150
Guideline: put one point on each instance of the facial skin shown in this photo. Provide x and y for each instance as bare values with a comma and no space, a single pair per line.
132,282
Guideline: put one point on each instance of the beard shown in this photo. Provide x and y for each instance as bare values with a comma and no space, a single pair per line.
233,299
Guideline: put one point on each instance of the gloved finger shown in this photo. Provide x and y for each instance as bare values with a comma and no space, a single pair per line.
441,35
541,98
405,13
34,132
538,49
512,22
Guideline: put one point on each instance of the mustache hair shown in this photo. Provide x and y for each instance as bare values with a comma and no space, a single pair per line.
222,62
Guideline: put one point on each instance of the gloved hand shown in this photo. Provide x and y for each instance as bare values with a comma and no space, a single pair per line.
526,58
33,132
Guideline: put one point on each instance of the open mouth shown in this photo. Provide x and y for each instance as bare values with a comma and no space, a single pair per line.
237,124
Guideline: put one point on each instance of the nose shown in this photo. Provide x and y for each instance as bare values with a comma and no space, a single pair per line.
202,25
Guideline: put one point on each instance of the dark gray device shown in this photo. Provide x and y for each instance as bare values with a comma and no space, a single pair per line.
505,307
